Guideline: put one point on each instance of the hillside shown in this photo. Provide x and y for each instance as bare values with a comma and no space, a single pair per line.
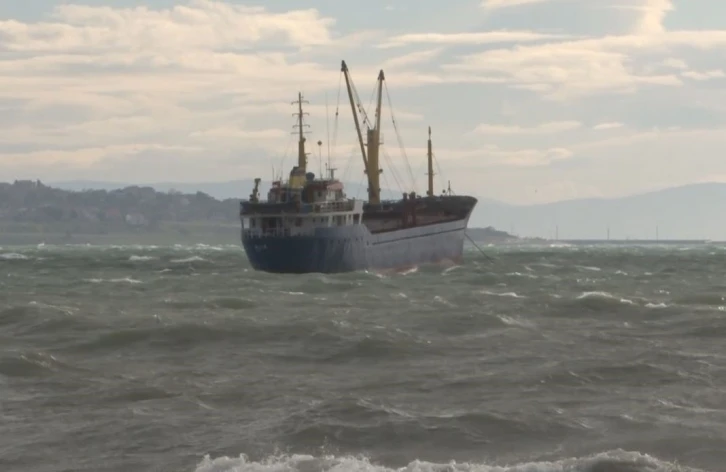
220,190
687,212
490,235
31,212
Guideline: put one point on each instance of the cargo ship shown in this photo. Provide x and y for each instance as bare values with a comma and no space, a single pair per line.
309,225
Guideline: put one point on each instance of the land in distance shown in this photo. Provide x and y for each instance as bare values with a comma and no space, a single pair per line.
33,213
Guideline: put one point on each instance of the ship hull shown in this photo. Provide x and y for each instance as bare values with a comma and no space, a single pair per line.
355,248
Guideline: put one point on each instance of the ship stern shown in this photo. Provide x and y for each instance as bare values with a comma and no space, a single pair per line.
331,253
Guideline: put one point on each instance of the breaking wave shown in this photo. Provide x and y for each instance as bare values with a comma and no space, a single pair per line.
611,461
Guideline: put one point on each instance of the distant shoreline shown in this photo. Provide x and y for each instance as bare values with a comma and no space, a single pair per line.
170,233
228,233
164,235
633,241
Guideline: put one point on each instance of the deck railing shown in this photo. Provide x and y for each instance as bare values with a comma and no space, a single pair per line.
317,207
330,207
268,233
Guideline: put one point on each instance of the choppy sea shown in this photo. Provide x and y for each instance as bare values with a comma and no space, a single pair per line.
183,359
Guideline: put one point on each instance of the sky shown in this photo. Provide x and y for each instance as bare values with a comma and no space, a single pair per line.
529,101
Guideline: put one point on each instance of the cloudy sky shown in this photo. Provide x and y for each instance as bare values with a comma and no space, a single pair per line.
529,100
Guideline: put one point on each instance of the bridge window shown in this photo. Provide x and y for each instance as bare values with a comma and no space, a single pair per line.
269,223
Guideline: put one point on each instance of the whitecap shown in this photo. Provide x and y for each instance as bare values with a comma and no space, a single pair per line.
610,460
656,305
502,294
14,256
605,295
508,320
135,258
188,259
127,280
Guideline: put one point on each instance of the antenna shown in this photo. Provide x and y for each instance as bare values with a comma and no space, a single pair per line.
301,154
430,161
331,171
320,156
327,128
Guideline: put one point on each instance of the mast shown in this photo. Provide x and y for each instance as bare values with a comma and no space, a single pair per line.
374,143
430,156
368,150
301,155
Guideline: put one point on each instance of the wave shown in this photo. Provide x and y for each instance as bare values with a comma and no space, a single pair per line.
13,256
610,461
135,258
126,280
30,364
188,259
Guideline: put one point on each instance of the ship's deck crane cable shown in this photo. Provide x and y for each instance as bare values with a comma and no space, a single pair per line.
393,171
337,114
348,166
366,121
284,155
398,137
486,256
335,128
441,175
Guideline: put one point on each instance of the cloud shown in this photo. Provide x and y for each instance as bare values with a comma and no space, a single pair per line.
85,157
707,75
483,37
544,128
579,67
497,4
200,24
606,126
202,91
674,63
527,157
108,81
571,69
135,56
238,132
413,58
481,158
652,14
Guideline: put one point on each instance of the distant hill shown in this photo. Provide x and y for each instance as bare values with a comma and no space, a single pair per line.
32,212
219,190
689,212
490,235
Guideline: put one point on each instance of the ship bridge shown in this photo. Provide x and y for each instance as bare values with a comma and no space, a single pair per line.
300,210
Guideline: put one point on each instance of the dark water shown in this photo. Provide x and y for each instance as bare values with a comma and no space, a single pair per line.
183,359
